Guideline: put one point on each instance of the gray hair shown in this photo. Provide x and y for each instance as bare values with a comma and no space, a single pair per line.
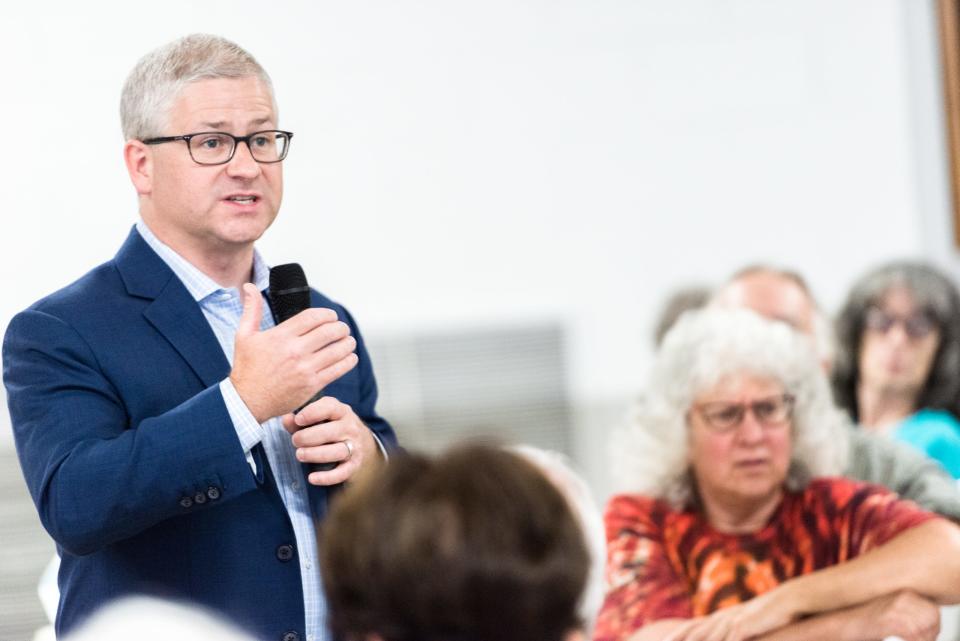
704,348
160,76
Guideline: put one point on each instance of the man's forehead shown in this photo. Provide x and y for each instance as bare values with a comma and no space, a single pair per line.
768,285
773,296
219,124
218,102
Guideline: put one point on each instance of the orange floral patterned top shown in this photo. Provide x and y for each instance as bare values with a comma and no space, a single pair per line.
662,563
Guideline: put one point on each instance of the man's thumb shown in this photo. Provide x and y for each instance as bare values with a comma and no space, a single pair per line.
252,310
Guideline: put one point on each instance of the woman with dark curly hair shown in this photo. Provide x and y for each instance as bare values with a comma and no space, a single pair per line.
897,369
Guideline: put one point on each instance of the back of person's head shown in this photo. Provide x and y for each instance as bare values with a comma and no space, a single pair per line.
473,545
157,79
780,294
559,471
936,296
151,619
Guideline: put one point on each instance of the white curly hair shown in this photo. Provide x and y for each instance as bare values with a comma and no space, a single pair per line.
705,347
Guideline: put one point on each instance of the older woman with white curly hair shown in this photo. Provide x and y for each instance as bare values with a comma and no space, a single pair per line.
733,525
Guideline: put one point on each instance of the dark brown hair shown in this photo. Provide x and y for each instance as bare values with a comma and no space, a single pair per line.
474,545
936,295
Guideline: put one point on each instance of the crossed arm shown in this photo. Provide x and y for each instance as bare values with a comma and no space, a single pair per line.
905,615
891,590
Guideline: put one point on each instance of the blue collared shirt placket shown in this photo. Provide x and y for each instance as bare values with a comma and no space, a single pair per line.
222,308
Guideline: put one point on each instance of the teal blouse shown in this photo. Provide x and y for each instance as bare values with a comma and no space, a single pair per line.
936,433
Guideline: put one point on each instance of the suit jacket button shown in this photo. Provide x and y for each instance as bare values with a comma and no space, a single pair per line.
186,502
285,553
290,636
213,493
199,498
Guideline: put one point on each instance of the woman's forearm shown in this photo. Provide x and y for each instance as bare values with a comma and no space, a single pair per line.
658,630
839,625
836,602
924,559
904,614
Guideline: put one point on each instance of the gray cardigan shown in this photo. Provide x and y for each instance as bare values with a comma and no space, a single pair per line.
904,470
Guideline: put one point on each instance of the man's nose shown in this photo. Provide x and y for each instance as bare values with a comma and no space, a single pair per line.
243,165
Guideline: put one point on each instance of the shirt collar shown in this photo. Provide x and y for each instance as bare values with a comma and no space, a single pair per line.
197,283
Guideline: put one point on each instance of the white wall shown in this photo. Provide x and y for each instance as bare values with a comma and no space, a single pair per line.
480,163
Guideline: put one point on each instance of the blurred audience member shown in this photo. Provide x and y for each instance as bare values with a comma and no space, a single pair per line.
680,301
474,545
783,295
897,371
557,469
49,595
151,619
735,527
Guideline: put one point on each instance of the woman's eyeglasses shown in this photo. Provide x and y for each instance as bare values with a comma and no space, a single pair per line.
770,412
916,326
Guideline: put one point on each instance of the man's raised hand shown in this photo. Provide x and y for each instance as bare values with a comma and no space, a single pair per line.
277,370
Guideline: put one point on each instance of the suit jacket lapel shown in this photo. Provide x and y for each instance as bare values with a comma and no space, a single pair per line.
178,317
173,311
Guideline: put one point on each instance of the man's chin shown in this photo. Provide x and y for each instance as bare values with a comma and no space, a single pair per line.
244,232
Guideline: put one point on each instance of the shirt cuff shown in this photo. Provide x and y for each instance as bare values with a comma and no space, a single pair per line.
249,432
383,450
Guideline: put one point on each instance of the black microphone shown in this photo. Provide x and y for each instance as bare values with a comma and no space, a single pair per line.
289,294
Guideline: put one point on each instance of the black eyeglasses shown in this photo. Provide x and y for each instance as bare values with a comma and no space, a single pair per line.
218,147
916,326
723,417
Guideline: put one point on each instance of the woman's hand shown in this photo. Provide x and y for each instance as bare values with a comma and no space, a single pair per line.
754,618
906,615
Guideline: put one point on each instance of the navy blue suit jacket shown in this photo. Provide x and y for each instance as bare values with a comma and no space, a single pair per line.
132,460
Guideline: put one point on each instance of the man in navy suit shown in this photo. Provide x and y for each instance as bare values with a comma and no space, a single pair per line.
152,399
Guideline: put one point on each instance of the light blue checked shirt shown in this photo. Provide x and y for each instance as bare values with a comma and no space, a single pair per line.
222,309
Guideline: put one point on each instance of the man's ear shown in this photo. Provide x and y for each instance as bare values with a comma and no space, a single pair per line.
139,161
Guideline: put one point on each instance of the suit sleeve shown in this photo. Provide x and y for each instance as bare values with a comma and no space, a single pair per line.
95,477
366,407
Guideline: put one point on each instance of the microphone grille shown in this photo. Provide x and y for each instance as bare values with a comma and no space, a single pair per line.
289,292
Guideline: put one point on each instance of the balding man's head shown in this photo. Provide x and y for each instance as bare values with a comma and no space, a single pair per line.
782,295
